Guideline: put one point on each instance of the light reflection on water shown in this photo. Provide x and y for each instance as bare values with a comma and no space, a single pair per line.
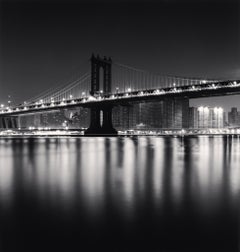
126,176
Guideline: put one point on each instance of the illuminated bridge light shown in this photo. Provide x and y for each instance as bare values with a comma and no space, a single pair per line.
90,98
235,84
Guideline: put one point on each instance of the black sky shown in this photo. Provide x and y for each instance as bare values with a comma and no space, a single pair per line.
44,42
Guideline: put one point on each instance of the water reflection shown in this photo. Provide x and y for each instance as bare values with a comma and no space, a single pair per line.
98,177
166,168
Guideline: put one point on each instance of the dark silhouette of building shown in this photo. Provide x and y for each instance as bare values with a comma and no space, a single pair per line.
234,117
193,118
164,114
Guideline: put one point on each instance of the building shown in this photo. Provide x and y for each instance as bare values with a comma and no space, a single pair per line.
206,117
74,119
165,114
193,118
234,117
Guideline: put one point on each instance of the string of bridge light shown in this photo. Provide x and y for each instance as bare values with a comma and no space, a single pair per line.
127,95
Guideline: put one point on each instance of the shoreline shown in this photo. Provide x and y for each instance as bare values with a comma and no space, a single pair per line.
46,135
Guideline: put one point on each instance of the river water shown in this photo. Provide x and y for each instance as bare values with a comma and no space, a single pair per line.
120,194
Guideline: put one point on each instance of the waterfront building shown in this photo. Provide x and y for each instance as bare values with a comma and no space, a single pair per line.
206,117
164,114
234,117
125,117
77,118
193,118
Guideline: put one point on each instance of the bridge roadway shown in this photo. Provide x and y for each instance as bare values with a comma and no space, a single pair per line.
197,91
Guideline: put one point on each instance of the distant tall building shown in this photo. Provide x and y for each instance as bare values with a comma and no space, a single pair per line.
193,118
206,117
175,113
125,117
167,113
234,117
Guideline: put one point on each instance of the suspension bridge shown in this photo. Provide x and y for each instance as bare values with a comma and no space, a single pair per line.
110,84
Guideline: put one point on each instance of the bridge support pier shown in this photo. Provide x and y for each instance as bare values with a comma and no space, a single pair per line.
101,122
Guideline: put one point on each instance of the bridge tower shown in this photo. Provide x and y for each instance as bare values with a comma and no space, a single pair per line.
101,115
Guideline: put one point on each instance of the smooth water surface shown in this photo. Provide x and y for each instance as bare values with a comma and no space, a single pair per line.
120,194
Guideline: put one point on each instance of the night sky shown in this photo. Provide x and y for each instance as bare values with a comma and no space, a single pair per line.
46,42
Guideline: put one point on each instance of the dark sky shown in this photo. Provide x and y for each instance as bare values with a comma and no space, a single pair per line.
45,42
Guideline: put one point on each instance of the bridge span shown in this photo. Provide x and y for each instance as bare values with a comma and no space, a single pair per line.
121,87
